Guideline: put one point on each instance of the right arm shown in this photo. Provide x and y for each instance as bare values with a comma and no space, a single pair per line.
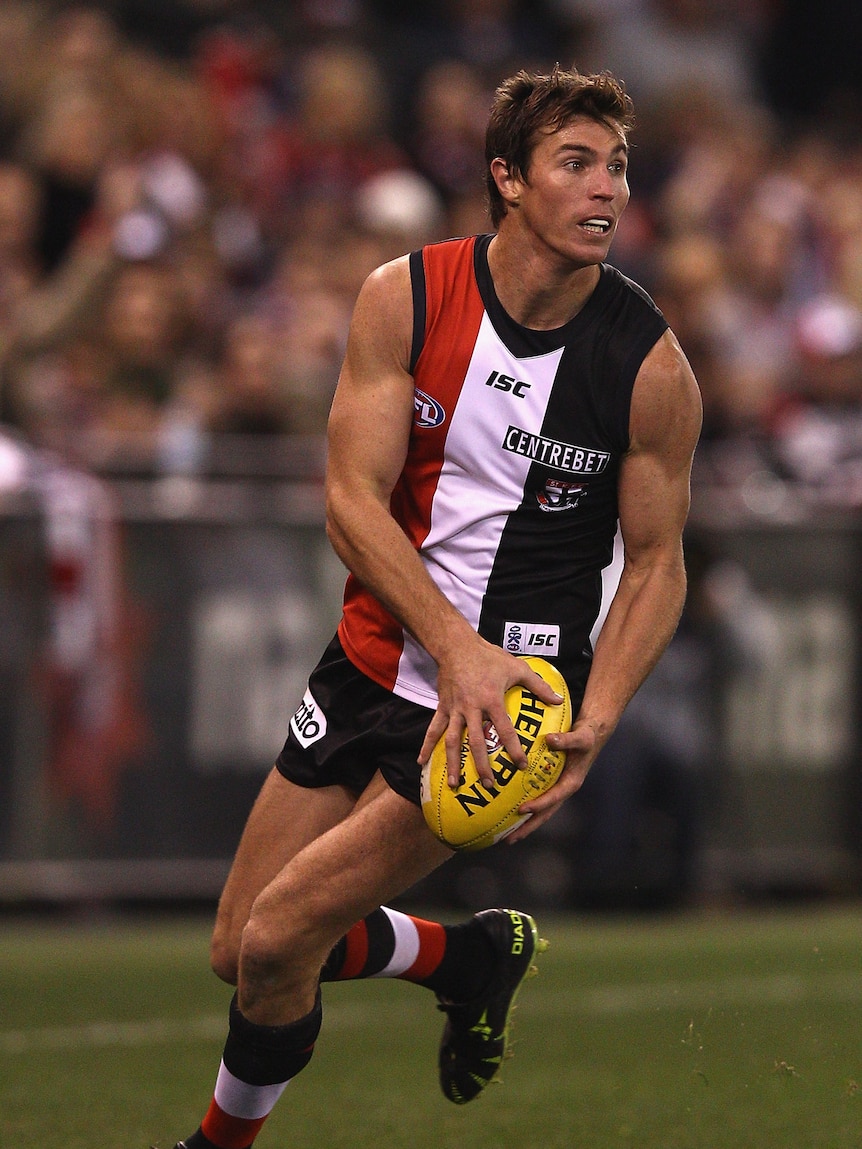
368,437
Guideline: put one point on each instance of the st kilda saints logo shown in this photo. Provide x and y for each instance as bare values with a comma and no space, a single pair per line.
557,495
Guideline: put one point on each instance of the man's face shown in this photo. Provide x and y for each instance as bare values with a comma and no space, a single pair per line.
576,189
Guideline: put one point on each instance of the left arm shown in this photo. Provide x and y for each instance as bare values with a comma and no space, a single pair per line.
654,493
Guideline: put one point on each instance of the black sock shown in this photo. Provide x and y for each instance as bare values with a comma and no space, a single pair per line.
257,1063
198,1141
467,964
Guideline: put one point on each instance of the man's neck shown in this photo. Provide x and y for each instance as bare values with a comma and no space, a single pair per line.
536,291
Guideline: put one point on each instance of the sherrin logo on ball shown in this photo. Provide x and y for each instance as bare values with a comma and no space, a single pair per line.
473,815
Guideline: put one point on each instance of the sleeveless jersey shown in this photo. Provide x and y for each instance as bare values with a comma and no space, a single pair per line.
509,491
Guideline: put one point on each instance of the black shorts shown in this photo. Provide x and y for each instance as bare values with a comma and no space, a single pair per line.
347,727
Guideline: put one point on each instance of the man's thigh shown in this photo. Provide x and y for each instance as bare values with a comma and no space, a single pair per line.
369,857
283,821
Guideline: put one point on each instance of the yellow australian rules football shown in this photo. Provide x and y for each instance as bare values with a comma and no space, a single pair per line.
473,815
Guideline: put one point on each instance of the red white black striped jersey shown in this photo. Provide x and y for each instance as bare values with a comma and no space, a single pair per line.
509,491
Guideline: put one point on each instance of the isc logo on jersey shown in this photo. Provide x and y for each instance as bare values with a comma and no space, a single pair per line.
501,382
531,638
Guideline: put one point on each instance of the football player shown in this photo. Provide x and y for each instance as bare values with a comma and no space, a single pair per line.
506,401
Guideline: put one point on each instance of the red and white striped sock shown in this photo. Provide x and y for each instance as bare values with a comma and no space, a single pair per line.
238,1110
451,960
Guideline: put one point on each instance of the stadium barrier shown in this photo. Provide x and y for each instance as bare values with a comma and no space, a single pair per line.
131,755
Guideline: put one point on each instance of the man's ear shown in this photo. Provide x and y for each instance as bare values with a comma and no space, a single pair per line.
509,186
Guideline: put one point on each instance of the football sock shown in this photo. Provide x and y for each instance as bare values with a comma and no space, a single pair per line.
453,961
257,1063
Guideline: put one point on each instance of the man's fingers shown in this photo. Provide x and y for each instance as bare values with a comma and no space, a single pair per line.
542,689
541,809
454,737
509,737
450,725
435,731
579,744
479,749
527,828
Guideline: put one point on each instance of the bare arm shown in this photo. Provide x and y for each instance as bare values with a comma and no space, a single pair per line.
369,430
653,506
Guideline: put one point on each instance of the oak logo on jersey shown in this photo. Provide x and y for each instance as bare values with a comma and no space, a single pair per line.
559,496
501,382
427,412
553,453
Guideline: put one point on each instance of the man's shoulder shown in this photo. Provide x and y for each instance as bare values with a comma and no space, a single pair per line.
454,242
448,251
617,282
632,322
447,273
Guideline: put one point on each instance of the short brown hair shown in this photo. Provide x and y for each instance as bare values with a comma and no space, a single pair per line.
528,102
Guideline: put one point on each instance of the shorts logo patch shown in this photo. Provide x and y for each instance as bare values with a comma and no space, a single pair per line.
542,639
309,722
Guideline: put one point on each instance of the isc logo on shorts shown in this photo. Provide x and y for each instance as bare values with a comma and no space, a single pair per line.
309,721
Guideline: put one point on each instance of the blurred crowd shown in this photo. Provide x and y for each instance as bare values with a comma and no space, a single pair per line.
192,192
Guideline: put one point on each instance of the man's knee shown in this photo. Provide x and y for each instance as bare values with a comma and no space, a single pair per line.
263,946
224,953
282,945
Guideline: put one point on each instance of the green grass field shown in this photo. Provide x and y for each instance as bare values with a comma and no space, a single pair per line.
737,1031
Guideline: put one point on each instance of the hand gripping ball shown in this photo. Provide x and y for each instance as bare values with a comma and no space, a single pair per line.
474,816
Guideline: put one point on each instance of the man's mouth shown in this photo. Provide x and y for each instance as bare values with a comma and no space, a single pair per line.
597,225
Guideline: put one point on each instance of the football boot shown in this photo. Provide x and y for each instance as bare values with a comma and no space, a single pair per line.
476,1035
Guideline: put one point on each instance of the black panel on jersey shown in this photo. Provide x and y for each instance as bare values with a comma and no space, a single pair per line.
553,547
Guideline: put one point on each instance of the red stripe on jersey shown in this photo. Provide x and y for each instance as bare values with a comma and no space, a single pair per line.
432,946
454,310
229,1132
356,954
370,635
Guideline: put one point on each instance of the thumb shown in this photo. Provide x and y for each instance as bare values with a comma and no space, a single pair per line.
580,739
542,689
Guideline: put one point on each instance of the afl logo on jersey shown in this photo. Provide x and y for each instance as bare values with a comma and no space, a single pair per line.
559,496
427,412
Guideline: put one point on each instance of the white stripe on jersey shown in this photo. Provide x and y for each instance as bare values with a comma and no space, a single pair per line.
480,484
